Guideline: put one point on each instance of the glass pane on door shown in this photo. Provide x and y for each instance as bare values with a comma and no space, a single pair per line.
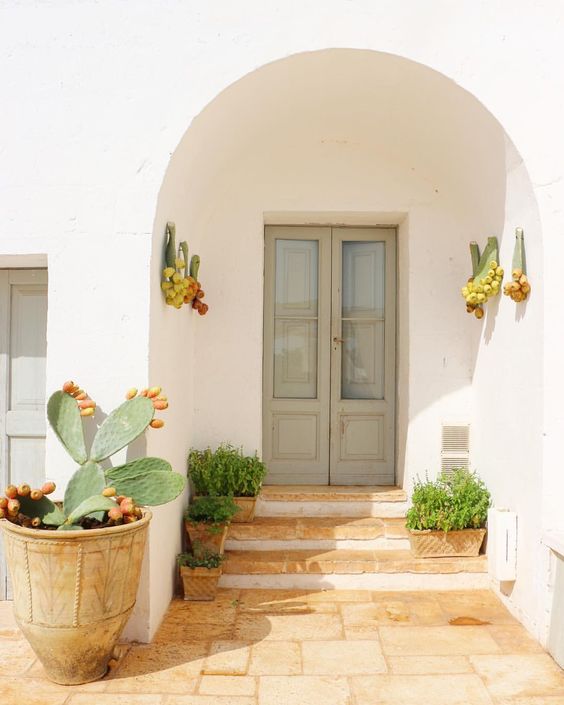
363,320
296,319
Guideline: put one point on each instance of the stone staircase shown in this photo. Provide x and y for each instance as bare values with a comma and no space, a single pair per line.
312,537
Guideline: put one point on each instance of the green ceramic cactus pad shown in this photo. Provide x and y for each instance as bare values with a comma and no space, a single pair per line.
136,467
122,427
151,488
88,480
64,418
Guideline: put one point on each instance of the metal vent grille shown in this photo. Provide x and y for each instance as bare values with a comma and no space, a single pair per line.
455,448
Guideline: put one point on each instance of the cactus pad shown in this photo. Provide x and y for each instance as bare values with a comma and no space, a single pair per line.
43,508
96,503
136,467
64,418
70,527
122,427
88,480
151,488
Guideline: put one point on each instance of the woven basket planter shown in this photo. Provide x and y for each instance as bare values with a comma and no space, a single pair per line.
207,537
247,506
436,544
200,583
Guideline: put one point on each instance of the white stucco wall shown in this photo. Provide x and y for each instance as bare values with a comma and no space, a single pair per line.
97,96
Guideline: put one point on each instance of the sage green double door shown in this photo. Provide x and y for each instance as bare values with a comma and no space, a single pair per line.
329,355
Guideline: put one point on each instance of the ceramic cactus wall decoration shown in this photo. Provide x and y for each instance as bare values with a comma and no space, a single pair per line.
519,288
487,275
180,276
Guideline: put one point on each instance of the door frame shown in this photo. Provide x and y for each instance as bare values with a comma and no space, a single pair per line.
396,223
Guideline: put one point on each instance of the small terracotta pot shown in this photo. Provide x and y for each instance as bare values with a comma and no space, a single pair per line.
247,506
74,592
200,583
207,537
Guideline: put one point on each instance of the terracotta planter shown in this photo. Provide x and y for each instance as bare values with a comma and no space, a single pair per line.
200,583
207,537
435,544
247,506
74,592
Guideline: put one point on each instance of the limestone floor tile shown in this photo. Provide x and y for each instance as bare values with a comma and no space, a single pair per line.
532,700
339,596
180,631
227,658
222,611
345,658
275,658
288,627
422,611
227,685
272,600
482,604
418,690
437,641
522,675
16,657
428,665
354,632
158,669
110,699
514,639
303,690
8,625
206,700
33,691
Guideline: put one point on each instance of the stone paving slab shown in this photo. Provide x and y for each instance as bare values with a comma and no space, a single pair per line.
278,647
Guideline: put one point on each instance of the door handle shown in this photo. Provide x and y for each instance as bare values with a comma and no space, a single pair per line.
338,340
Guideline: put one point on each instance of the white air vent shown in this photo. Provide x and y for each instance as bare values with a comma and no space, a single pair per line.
455,447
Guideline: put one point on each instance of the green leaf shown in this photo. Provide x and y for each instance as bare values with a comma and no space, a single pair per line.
151,488
64,418
98,503
70,527
121,427
43,508
87,481
137,467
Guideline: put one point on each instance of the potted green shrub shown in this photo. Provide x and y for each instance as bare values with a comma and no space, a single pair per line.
75,565
207,522
448,516
200,573
228,472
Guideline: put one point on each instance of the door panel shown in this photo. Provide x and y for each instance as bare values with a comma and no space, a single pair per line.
296,366
363,357
23,347
329,355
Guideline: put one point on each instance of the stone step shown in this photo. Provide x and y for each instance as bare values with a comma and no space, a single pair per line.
350,569
334,500
288,533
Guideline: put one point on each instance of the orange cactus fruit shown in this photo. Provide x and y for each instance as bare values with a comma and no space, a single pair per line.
109,491
131,393
200,294
3,513
3,502
143,392
129,519
87,404
156,423
48,487
36,522
127,506
154,392
13,506
203,309
160,404
11,492
78,392
68,386
80,396
115,514
87,412
24,490
36,495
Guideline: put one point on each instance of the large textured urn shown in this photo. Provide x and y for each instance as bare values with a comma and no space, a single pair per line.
73,593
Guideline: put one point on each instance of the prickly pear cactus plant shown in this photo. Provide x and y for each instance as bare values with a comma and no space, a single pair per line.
97,496
180,276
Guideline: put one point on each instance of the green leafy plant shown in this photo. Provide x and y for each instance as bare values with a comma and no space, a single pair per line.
211,510
450,503
206,559
96,494
226,472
